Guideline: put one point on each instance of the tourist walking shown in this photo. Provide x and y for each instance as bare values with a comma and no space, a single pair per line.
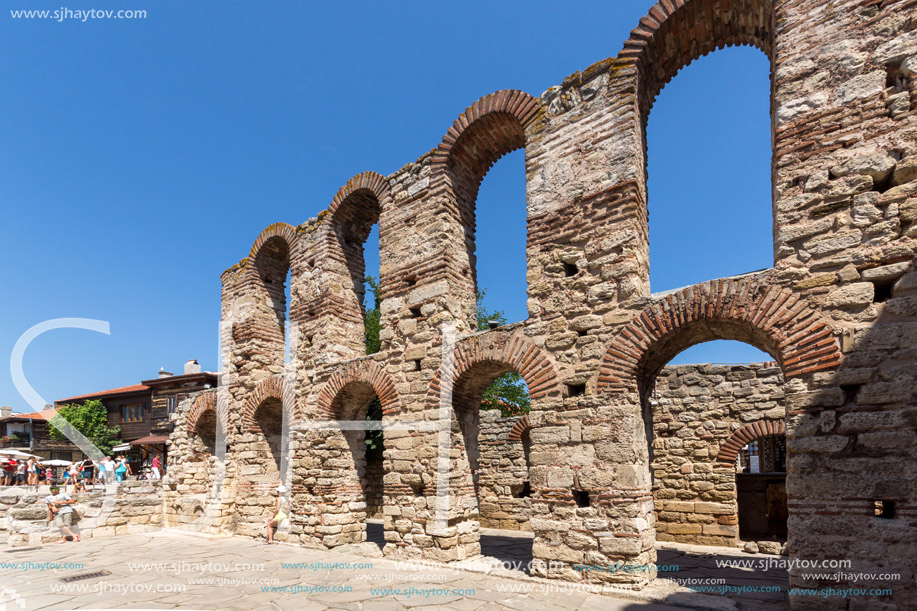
157,467
74,471
34,471
122,470
109,466
9,472
107,470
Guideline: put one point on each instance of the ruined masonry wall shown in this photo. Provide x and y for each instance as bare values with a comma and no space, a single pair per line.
696,408
502,472
134,507
837,312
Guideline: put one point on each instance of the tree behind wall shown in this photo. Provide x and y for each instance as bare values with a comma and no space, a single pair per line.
508,393
91,419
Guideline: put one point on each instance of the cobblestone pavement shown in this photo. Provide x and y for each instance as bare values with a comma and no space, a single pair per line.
168,569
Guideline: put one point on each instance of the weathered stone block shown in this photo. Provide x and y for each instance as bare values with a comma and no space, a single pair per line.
877,165
858,294
905,171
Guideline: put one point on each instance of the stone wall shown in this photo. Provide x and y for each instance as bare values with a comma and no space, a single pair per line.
837,311
503,473
134,506
198,487
696,409
373,487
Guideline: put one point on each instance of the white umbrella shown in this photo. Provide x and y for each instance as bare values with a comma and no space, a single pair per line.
56,463
17,454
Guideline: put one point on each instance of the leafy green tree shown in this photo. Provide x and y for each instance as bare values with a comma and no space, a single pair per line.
508,393
372,318
91,419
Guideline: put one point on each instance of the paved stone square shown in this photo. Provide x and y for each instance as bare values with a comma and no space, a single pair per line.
169,569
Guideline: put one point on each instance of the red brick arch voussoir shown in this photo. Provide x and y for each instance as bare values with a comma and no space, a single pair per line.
519,429
676,32
365,181
270,388
794,332
204,402
284,231
511,348
366,371
729,450
518,107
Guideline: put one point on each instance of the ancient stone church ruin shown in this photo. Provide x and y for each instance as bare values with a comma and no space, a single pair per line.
617,452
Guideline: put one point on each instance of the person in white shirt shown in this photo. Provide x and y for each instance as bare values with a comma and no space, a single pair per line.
61,513
107,470
74,475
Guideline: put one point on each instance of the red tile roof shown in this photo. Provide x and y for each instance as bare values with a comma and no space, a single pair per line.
45,415
104,393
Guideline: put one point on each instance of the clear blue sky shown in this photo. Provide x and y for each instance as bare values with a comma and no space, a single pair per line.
141,158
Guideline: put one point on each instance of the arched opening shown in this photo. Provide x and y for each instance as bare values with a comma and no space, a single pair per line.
268,429
694,492
500,236
760,472
491,128
722,107
351,261
372,298
490,400
204,437
709,171
353,459
355,219
272,266
262,464
692,411
346,473
761,490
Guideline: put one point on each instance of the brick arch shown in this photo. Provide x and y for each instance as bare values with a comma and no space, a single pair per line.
355,209
514,352
264,272
488,129
752,309
204,402
729,450
676,32
363,371
270,388
371,183
281,231
519,429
